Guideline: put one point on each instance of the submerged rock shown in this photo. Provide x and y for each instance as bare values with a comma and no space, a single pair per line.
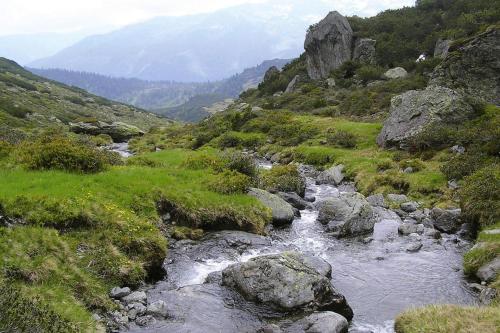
348,215
282,211
320,322
328,45
290,281
416,111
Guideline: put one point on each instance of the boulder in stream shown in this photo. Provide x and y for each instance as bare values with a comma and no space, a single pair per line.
281,210
287,282
348,215
332,176
447,220
320,322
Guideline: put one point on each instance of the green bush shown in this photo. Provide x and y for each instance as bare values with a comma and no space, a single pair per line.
341,138
390,178
385,165
282,178
480,255
204,161
460,166
229,140
62,153
230,182
480,196
369,73
435,136
75,100
14,81
5,149
239,162
292,134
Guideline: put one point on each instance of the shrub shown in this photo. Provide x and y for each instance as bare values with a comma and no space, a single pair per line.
480,196
341,138
292,134
75,100
460,166
62,153
435,136
282,178
391,178
204,161
385,165
480,255
369,73
230,182
5,149
318,156
229,140
239,162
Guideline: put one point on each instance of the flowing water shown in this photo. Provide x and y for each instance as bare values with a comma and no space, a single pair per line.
378,277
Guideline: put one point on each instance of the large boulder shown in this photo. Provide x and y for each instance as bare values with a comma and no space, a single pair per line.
473,67
348,215
396,73
281,210
320,322
416,111
287,282
332,176
328,45
118,131
364,50
489,271
447,220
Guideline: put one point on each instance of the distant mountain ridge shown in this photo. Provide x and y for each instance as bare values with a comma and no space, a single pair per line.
164,95
196,48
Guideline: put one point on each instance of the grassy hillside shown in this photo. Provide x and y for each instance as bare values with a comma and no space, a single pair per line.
29,101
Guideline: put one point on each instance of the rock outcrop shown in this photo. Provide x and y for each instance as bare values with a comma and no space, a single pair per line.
328,45
364,50
271,72
473,68
281,210
415,111
118,131
292,86
287,282
348,215
442,48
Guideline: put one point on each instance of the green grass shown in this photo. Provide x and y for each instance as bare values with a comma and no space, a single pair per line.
449,319
82,234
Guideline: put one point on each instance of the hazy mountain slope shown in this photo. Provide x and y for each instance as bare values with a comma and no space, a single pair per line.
195,48
27,48
29,101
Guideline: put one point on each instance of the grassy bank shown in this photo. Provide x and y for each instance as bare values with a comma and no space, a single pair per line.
77,235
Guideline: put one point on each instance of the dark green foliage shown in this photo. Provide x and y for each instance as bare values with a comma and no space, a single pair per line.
283,178
435,136
63,153
230,182
292,134
75,100
14,110
480,196
280,81
341,138
394,179
460,166
420,27
367,73
240,162
16,82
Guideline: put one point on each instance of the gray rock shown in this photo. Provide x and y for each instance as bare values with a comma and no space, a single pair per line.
270,73
442,47
118,131
119,318
282,211
292,86
457,150
472,68
396,73
135,297
399,198
414,111
487,296
453,185
488,272
432,233
331,83
139,307
270,328
118,292
293,199
320,322
350,212
492,232
377,200
447,221
288,281
158,308
407,229
144,321
414,247
332,176
328,45
409,207
364,50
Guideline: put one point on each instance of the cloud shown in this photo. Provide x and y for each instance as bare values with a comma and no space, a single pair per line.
93,16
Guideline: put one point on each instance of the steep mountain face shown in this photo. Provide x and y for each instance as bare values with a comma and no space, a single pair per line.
176,100
188,49
30,101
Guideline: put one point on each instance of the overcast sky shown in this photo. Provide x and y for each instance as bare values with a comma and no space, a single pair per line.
94,16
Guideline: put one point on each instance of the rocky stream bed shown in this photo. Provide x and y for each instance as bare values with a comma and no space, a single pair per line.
299,277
